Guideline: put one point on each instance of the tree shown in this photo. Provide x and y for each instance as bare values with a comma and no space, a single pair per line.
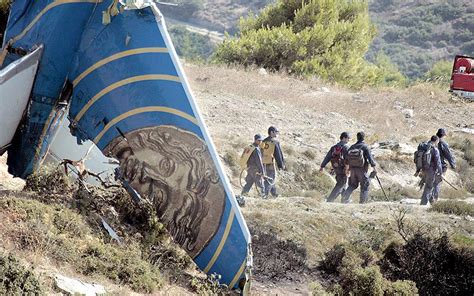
326,38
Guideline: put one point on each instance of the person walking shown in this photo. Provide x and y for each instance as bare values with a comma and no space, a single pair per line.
431,169
446,157
255,168
272,155
359,157
336,156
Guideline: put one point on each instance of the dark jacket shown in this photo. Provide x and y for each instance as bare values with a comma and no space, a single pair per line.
369,159
255,160
328,157
435,164
277,154
446,155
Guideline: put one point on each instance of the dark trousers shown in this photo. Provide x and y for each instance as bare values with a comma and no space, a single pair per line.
341,182
253,178
271,173
437,185
358,177
430,179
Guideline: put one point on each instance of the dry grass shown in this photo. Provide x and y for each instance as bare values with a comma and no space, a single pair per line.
64,236
454,207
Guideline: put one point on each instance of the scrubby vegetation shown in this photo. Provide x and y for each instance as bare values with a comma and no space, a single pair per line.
275,258
63,221
191,46
16,279
354,271
422,263
416,35
64,236
327,39
434,264
455,207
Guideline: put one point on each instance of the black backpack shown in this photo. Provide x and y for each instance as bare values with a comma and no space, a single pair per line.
355,158
422,156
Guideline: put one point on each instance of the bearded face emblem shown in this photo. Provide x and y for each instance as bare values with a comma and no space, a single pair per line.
174,170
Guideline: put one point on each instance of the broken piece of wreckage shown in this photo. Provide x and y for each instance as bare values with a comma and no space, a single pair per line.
108,70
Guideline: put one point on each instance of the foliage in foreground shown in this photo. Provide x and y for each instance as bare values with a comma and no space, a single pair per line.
355,272
15,279
61,234
322,38
436,265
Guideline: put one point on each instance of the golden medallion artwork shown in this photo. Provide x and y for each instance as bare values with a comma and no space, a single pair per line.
175,171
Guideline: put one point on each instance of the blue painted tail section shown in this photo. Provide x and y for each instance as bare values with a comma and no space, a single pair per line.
131,97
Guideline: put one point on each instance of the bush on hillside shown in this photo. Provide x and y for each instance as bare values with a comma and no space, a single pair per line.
4,6
440,73
355,270
49,180
15,279
189,45
311,38
453,207
434,264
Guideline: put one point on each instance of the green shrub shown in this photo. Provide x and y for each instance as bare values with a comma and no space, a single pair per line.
189,45
121,265
400,288
15,279
440,72
327,39
363,281
4,6
355,270
454,207
317,289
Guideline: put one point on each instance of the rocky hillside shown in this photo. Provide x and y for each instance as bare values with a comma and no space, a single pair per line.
416,34
291,234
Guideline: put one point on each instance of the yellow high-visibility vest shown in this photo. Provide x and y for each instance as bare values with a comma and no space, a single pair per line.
246,155
268,149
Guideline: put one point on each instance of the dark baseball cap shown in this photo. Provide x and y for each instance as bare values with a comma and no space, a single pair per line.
441,132
273,129
258,137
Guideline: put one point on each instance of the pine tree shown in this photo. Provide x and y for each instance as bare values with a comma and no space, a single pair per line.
326,38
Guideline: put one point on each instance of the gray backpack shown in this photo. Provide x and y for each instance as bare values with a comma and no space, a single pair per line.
422,157
355,158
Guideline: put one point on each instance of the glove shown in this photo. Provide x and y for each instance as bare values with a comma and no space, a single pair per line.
373,174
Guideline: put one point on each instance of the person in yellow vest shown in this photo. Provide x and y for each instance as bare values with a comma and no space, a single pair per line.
272,155
255,168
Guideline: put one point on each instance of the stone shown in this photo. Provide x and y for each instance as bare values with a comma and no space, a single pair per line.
77,287
408,113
